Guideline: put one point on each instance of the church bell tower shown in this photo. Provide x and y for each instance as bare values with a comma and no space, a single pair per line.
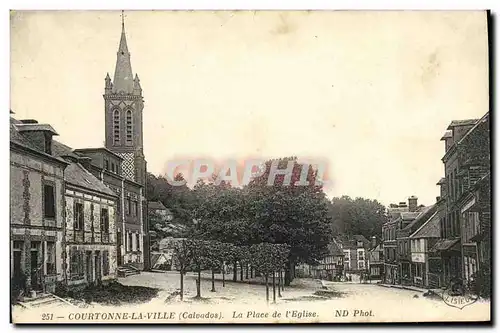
123,115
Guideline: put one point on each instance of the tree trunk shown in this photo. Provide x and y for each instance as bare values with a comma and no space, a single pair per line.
267,287
274,287
251,272
280,282
287,276
289,273
223,275
241,271
198,283
213,281
182,285
235,271
246,271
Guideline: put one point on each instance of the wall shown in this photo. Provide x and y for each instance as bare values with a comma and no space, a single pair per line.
90,240
27,174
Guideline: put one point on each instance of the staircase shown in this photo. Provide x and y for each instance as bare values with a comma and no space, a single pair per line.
127,270
44,300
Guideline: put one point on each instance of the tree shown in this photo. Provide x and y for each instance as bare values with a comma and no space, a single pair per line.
179,199
227,251
216,252
292,214
200,259
357,217
182,255
261,257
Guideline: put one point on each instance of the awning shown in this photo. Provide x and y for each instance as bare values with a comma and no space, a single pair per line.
478,237
445,245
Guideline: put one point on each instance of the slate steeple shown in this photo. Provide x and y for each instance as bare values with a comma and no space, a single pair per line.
123,81
123,107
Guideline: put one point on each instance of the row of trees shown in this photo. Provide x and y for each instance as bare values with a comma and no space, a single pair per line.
258,213
197,255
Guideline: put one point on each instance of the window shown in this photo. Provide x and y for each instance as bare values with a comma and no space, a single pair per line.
130,241
134,208
105,263
76,264
361,264
137,243
116,127
49,205
48,143
113,167
78,216
104,220
361,255
129,206
129,127
106,164
51,258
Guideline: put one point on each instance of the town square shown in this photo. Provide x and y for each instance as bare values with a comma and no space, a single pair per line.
258,167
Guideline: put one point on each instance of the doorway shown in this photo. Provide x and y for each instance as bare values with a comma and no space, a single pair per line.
35,268
97,267
119,249
88,265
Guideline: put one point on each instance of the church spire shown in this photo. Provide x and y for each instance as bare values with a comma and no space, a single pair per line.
124,79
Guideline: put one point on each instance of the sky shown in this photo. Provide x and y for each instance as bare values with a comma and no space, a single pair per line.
369,93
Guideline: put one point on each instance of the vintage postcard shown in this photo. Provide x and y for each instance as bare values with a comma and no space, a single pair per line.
250,167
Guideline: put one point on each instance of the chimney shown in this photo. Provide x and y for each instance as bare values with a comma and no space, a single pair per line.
412,203
40,134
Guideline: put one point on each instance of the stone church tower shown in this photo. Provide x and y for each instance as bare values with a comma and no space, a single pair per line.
123,119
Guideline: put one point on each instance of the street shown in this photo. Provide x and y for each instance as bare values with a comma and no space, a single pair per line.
405,304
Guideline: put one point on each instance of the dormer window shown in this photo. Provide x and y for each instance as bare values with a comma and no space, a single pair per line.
48,143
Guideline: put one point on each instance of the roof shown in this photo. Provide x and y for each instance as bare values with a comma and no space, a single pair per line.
423,215
406,216
61,150
77,175
430,229
18,138
447,135
168,242
156,205
124,79
441,181
477,123
377,248
99,149
444,245
334,249
464,122
21,127
352,241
